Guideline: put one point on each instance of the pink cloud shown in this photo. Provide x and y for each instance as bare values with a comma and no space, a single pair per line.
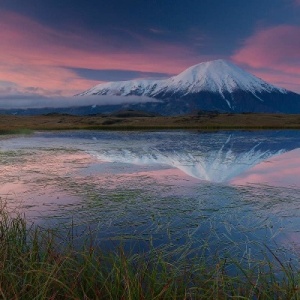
273,53
34,55
281,79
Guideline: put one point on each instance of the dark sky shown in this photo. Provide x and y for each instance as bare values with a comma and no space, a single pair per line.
62,47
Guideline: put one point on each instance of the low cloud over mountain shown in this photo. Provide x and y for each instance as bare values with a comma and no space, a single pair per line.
25,101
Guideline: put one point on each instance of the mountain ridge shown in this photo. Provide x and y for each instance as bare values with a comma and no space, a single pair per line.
214,85
206,76
218,86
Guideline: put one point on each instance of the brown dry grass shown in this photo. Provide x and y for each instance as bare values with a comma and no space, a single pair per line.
11,124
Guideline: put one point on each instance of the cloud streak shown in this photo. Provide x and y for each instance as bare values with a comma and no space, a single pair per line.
51,62
23,101
274,54
33,55
118,75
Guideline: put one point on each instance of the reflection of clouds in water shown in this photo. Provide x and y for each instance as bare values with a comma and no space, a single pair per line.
134,172
216,165
35,182
215,157
283,170
293,240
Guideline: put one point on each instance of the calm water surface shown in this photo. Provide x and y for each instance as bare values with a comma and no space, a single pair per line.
233,189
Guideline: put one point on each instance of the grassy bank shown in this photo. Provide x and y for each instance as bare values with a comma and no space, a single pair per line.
15,124
37,263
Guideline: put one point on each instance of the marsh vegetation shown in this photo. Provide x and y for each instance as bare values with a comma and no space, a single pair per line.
202,121
39,263
148,215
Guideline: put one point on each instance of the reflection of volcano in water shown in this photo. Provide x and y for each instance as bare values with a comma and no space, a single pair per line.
216,165
212,156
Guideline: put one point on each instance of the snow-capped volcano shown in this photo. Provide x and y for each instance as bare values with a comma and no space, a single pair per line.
214,85
219,76
216,76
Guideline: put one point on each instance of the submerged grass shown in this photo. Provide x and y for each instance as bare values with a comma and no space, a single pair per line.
24,131
38,263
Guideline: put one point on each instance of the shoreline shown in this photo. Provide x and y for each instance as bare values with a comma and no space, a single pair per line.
11,124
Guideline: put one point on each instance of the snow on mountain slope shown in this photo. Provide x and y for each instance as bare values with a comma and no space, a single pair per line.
217,76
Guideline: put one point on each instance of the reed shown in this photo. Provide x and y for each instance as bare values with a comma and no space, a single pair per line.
37,263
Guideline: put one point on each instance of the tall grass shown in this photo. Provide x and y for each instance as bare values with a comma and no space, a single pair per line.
38,263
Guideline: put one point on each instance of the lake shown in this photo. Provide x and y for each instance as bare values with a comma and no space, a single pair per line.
230,190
